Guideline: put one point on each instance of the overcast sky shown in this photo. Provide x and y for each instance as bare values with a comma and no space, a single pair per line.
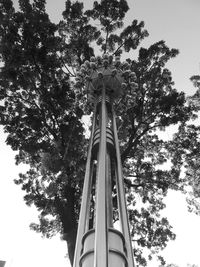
178,23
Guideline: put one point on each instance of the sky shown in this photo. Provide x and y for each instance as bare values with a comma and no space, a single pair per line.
178,23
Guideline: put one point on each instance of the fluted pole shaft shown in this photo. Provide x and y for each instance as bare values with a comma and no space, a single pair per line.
101,237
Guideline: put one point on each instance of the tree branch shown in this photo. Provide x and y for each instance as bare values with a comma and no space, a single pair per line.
70,73
119,47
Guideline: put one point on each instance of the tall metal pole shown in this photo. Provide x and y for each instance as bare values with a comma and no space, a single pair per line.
99,243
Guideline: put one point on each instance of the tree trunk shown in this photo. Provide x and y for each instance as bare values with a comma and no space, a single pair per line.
70,238
66,211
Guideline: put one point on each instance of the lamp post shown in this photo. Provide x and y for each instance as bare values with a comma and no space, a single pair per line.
98,242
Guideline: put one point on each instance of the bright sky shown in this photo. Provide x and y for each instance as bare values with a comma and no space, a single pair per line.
178,23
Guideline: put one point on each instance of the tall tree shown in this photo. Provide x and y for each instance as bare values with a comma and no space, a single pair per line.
42,111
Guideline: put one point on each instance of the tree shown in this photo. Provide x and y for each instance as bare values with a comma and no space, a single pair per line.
42,111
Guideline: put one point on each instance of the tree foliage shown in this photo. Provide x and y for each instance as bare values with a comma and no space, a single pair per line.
42,111
195,98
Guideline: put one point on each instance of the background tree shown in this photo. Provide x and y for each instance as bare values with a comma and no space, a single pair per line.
42,111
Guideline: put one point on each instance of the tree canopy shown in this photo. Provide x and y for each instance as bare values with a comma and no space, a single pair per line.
42,113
